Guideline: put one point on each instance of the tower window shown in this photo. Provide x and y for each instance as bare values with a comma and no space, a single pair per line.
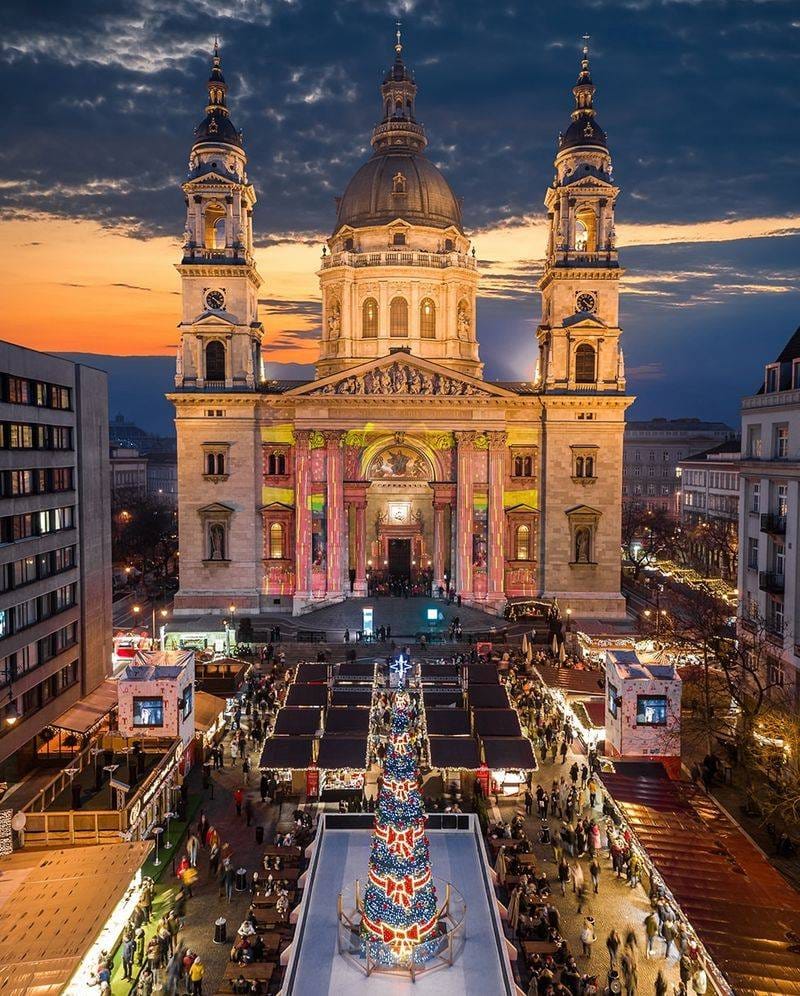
398,317
276,541
215,360
369,318
399,238
585,230
427,319
585,372
276,464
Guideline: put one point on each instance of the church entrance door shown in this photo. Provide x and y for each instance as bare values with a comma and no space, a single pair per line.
400,558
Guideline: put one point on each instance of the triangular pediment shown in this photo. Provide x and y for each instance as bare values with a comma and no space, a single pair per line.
521,507
276,506
584,320
401,375
216,318
583,510
215,508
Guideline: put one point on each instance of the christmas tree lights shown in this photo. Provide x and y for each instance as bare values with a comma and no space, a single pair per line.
400,911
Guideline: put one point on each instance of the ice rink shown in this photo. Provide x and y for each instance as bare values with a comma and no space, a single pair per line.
318,969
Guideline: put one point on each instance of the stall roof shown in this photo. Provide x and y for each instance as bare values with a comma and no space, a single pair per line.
53,905
482,674
297,721
307,695
487,697
342,752
745,913
439,672
311,672
89,711
345,719
444,697
496,722
347,695
454,752
571,679
509,752
356,671
287,752
207,709
447,722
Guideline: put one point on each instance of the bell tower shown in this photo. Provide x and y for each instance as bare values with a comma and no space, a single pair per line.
220,331
579,331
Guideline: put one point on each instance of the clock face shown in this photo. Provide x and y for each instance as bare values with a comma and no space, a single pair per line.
215,300
586,302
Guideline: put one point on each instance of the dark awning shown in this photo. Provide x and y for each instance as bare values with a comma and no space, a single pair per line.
482,674
91,710
447,722
356,671
439,672
444,697
509,752
350,695
307,695
342,752
571,679
298,720
454,752
487,697
344,719
311,672
496,723
287,752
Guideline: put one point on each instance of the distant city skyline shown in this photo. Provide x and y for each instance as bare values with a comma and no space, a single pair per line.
709,221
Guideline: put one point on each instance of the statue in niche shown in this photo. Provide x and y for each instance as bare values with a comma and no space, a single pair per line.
582,538
398,183
463,321
216,541
334,321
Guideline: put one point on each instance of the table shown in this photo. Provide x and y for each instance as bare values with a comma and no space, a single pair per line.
531,948
276,851
260,901
282,874
260,971
528,861
268,917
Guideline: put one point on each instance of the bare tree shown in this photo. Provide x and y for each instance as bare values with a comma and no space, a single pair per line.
646,534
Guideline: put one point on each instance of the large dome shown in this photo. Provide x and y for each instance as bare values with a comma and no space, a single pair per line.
377,195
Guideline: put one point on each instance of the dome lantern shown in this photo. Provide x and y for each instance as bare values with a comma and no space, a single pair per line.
216,128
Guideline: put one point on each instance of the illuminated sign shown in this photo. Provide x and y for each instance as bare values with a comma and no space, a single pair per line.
366,620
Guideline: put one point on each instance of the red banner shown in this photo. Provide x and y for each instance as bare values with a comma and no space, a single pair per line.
312,782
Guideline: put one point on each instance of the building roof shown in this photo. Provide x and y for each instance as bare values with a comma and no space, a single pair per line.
342,752
571,679
53,905
791,351
496,722
287,752
487,697
297,720
347,719
509,752
447,722
90,710
311,672
454,752
207,710
745,913
629,666
307,695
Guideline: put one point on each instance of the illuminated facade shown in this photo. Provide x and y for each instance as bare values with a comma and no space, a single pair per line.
398,460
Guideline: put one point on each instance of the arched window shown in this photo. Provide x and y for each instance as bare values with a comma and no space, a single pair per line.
427,319
588,467
523,543
585,364
586,230
276,541
581,236
579,466
369,318
219,234
220,463
210,463
276,464
527,467
518,466
398,317
215,360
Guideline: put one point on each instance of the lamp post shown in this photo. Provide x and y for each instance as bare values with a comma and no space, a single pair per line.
232,611
136,609
110,768
157,831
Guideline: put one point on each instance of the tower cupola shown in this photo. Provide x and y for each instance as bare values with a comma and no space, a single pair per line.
216,128
584,131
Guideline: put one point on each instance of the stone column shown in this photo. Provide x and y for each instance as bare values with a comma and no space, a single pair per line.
497,556
334,506
442,500
360,507
302,492
465,442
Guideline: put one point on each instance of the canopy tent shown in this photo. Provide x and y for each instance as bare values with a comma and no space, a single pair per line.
287,752
342,752
307,695
207,710
487,697
447,722
481,674
432,672
90,711
298,721
342,719
745,913
355,671
454,752
347,695
311,672
496,722
444,697
509,752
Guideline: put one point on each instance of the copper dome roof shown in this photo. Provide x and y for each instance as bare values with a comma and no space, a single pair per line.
376,195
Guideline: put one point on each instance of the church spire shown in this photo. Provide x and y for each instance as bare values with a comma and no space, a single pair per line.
217,128
399,126
584,130
217,88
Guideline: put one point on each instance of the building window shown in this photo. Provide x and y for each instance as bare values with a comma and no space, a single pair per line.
772,382
399,238
398,317
782,500
584,466
754,441
585,364
781,442
276,464
775,616
427,319
215,360
522,465
752,553
523,542
215,464
775,672
755,497
651,710
276,541
369,318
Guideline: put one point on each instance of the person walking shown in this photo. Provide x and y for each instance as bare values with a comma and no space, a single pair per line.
238,798
700,981
529,802
128,951
563,750
588,936
563,875
248,811
263,787
196,973
661,984
630,975
230,881
594,871
192,849
613,942
668,933
651,931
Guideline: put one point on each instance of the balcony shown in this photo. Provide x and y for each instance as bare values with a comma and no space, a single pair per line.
231,256
771,582
404,257
773,523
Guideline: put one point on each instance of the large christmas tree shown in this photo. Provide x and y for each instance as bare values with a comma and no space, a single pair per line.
400,899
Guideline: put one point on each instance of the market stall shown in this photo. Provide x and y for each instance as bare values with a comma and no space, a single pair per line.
307,695
447,722
290,757
342,763
496,723
509,760
488,697
298,721
343,720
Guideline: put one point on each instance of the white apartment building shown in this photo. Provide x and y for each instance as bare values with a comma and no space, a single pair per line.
769,515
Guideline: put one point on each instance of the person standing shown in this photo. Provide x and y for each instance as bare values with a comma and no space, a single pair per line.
196,973
651,931
192,848
594,871
563,875
613,942
588,937
238,798
128,951
700,981
529,802
248,810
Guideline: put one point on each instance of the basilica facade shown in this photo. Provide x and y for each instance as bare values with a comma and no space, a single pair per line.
398,463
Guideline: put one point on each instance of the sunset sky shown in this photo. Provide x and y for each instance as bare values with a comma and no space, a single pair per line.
699,99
